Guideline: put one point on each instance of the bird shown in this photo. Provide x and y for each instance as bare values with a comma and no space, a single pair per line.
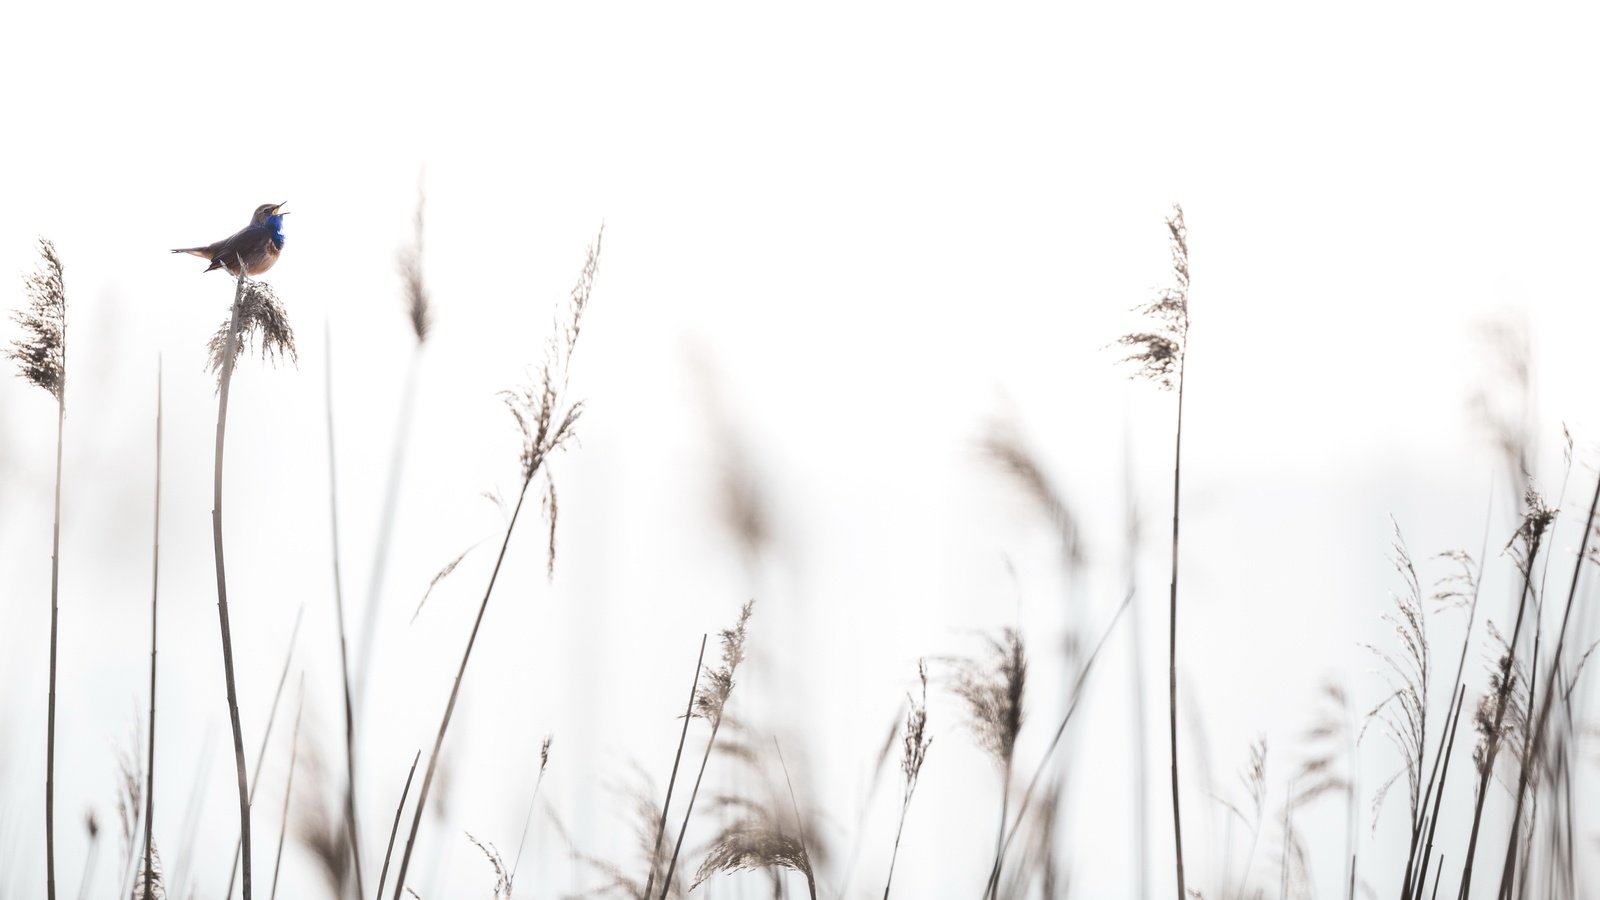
257,245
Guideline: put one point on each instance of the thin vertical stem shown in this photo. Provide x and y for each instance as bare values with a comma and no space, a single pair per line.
672,865
386,519
266,735
55,616
1172,641
688,713
288,789
344,653
383,875
222,582
155,584
455,693
811,881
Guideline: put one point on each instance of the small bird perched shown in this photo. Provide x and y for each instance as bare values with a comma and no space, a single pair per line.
257,244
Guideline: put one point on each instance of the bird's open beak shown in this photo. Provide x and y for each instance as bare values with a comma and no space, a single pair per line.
278,210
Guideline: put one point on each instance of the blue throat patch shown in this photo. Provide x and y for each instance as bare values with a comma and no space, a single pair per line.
276,224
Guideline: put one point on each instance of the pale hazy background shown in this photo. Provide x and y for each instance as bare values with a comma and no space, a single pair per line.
871,229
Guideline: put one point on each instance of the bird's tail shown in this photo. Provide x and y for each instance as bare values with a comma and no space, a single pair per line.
204,252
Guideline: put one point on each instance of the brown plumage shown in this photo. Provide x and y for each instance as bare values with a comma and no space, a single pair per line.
257,245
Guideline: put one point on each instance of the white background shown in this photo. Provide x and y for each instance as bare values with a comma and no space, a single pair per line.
861,233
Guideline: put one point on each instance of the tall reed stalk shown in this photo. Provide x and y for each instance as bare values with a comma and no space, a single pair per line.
288,788
1161,355
1491,718
546,420
255,311
148,882
344,643
1535,739
419,310
41,357
222,581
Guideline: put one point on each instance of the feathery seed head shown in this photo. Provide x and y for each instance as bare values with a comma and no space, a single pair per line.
261,318
914,749
712,696
41,354
418,303
1159,354
993,690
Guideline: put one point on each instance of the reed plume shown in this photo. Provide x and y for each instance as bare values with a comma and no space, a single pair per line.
41,358
992,689
418,302
1161,355
547,420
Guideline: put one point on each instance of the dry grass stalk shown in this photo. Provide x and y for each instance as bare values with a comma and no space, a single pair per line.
419,310
1055,741
150,879
1499,711
288,788
91,826
546,419
1403,713
672,780
344,642
41,358
399,808
915,741
1332,737
1536,739
1161,355
710,702
544,763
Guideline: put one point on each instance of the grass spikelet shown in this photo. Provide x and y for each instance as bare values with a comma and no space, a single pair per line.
263,321
502,878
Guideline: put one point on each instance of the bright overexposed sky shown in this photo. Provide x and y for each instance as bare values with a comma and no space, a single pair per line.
860,233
